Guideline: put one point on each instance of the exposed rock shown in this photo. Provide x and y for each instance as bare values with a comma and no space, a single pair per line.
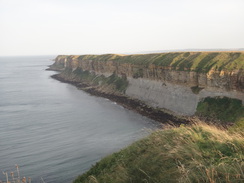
168,83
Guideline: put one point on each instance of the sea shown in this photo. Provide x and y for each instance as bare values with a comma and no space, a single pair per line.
54,131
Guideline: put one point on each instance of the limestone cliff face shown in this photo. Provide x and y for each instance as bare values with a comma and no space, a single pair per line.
176,82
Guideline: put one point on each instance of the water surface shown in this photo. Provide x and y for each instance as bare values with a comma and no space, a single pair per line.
52,130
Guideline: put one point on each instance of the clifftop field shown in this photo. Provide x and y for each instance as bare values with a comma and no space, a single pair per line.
194,61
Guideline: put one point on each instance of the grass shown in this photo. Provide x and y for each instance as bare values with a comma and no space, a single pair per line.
113,81
205,64
197,153
83,75
120,83
222,108
165,59
238,126
188,61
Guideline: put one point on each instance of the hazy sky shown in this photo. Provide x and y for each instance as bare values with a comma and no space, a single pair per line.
41,27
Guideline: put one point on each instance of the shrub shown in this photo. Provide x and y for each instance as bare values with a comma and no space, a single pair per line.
222,108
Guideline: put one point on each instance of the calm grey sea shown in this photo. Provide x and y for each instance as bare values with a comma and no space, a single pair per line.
54,131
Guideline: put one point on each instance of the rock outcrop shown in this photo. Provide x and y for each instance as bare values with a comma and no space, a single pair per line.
174,81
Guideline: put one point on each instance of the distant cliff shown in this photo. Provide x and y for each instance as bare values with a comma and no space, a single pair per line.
176,81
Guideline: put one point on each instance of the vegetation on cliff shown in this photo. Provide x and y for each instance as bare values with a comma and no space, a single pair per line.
113,82
197,153
224,109
188,61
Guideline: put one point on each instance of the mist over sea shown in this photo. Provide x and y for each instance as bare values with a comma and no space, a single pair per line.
54,131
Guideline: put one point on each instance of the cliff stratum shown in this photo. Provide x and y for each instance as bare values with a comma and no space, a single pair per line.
177,81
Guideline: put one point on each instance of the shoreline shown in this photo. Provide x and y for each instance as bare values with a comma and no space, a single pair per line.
132,104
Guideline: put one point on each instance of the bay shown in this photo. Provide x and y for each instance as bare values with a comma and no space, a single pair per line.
54,131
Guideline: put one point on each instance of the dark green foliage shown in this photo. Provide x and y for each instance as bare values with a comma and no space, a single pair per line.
186,54
120,83
196,89
224,109
83,75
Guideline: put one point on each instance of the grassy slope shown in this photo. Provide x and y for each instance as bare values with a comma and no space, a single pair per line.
197,61
199,153
224,109
117,83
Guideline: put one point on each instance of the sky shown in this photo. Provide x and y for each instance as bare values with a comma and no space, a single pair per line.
53,27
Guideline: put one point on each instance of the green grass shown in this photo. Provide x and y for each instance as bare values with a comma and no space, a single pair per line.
165,59
238,126
197,153
205,64
185,62
83,75
118,83
188,61
222,108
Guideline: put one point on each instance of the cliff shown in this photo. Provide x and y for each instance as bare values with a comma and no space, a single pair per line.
174,81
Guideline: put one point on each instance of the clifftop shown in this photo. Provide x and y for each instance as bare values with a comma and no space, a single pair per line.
213,70
183,61
176,81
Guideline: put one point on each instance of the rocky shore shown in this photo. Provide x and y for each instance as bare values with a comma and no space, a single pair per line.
129,103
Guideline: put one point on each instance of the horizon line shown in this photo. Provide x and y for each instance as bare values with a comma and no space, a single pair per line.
141,52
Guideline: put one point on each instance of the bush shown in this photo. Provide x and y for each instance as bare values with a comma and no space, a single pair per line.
222,108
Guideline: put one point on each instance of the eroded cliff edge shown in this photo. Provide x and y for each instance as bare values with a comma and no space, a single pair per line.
174,81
